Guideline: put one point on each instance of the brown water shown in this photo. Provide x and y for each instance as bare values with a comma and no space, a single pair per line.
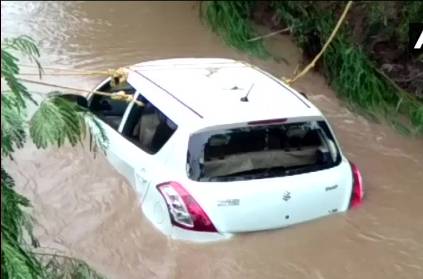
85,208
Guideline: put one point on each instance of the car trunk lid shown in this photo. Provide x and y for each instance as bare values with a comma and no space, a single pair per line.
261,204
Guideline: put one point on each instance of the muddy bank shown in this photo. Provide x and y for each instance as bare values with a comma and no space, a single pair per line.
84,207
379,28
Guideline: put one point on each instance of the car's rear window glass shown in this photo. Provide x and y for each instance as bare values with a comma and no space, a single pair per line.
265,151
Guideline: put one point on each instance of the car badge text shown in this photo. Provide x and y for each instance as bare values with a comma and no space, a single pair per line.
286,196
228,202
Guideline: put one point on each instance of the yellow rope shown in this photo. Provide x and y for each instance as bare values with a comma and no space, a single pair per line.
120,74
63,74
120,96
45,68
76,71
332,35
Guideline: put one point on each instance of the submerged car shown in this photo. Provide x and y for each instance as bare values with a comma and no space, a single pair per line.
217,147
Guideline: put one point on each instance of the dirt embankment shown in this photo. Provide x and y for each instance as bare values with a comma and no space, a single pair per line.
379,28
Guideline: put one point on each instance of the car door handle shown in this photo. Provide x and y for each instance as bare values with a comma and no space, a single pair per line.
140,175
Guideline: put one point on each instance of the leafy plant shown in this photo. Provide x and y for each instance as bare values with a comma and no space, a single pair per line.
230,19
351,72
10,69
346,65
56,121
17,260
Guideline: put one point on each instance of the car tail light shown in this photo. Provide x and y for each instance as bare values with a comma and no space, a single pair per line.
357,194
268,122
184,211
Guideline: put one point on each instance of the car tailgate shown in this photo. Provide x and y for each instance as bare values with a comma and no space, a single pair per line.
260,204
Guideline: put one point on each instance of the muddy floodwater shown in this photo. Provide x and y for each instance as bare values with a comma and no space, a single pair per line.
84,207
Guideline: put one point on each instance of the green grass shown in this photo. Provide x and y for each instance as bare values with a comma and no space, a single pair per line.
347,67
230,19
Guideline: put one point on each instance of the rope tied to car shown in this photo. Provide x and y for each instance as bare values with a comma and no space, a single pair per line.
120,95
311,65
117,77
121,74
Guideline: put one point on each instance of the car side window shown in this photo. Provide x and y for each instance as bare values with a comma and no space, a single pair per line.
148,127
109,109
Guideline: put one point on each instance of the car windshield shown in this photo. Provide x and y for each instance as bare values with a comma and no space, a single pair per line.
253,152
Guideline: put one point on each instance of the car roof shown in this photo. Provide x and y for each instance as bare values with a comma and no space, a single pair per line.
203,92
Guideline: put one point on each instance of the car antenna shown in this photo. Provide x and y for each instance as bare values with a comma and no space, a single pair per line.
245,98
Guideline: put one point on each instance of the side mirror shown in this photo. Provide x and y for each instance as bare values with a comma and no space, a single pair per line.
82,101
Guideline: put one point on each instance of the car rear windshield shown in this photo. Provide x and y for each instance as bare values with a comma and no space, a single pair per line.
253,152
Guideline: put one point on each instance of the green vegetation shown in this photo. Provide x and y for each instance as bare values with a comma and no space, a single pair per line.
350,71
55,122
390,20
349,68
230,19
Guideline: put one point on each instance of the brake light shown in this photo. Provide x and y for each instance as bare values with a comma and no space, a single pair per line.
268,121
184,211
357,194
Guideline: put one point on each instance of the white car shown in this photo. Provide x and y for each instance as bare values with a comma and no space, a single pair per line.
216,147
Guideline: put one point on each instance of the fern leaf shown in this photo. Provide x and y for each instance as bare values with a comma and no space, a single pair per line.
17,262
26,46
96,131
9,71
13,217
13,133
56,121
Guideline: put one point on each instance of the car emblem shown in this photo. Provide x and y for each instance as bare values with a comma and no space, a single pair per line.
228,202
286,196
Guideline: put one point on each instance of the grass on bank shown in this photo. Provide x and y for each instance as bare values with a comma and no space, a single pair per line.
349,70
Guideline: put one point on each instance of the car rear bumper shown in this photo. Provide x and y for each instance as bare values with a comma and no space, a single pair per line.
196,236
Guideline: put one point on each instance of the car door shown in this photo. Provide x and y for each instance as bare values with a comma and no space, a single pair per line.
112,114
146,130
